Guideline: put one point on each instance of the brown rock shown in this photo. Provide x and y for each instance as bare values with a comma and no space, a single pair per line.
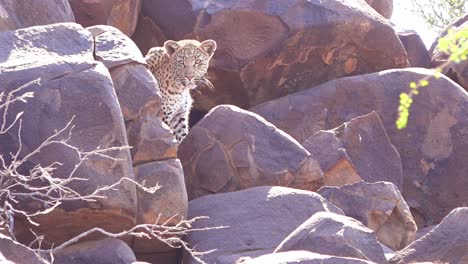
151,140
270,49
138,94
113,48
71,85
12,252
383,7
357,150
432,147
136,88
303,257
380,207
337,235
457,71
446,243
122,14
256,221
232,149
170,201
148,35
22,14
137,91
105,251
418,56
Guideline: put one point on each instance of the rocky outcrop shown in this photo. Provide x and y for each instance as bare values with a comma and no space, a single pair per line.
357,150
69,85
270,49
303,257
153,147
245,233
446,243
232,149
105,251
138,95
431,148
121,14
337,235
380,207
135,86
22,14
456,71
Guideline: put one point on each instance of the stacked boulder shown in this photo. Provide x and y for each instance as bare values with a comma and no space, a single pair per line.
297,160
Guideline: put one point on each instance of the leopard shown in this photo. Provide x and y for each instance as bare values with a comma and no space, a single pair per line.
179,67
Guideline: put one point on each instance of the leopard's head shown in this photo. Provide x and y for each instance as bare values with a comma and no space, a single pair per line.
189,61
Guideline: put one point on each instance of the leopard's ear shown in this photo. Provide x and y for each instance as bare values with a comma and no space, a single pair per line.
208,46
171,46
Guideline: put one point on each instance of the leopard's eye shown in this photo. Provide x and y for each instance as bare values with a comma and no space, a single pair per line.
198,62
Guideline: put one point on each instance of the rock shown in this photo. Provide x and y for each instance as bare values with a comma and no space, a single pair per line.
457,71
431,148
446,243
22,14
105,251
136,88
380,207
151,140
418,56
138,94
267,50
356,150
122,14
256,221
303,257
72,86
170,257
337,235
18,47
383,7
168,204
148,35
232,149
12,252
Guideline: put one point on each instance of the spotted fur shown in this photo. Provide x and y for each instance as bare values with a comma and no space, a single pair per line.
179,67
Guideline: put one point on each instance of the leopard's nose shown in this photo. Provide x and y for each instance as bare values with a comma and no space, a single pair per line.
189,76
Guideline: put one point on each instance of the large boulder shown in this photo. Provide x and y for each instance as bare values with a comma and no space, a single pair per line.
122,14
167,205
446,243
418,55
233,149
384,7
56,62
456,71
337,235
303,257
136,88
380,207
12,252
138,94
256,220
432,148
105,251
268,49
357,150
22,14
151,140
